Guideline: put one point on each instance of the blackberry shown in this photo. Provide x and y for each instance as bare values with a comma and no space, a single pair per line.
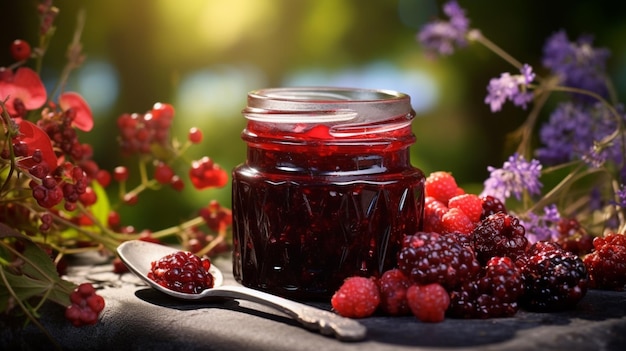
499,234
607,263
437,258
182,271
554,279
494,294
491,205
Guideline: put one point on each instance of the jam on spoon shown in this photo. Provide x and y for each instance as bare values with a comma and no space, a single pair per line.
139,256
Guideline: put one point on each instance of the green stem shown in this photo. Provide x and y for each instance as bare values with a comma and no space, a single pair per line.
477,35
571,178
179,228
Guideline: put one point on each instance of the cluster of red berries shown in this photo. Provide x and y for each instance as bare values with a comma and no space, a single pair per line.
204,173
218,219
47,158
86,305
483,267
139,132
142,133
182,271
447,208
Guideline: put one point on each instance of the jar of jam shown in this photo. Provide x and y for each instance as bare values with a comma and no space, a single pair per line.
327,191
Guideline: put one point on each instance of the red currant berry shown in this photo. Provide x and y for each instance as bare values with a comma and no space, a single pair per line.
20,50
95,302
131,199
118,266
113,219
163,173
195,135
89,197
177,183
103,177
162,110
86,289
120,173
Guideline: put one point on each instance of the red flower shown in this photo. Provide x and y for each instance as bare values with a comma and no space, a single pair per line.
22,90
35,138
84,118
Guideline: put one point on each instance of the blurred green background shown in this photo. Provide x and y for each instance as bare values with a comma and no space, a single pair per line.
203,56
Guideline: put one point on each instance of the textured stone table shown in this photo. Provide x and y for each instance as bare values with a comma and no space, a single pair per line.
138,318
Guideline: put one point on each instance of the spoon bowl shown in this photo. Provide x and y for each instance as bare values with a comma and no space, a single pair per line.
138,256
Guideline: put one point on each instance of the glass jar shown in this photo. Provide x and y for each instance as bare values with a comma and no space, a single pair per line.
327,190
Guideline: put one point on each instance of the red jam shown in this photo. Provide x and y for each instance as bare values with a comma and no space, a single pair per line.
319,201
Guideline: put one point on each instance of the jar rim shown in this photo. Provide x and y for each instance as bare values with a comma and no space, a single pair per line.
346,110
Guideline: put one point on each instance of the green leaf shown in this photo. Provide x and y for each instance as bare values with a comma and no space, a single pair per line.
39,276
26,287
102,207
23,286
38,264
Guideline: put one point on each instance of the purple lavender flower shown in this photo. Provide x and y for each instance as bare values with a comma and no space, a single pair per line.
516,176
510,87
595,157
542,227
442,36
573,131
579,64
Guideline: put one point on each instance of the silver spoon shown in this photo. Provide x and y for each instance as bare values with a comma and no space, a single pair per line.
138,256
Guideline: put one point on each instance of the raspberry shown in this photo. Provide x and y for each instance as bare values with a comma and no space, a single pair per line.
437,258
428,302
491,205
393,284
607,263
183,272
494,294
433,212
500,234
85,305
554,279
358,297
455,221
441,185
470,204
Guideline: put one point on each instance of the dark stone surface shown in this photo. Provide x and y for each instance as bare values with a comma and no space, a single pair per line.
139,318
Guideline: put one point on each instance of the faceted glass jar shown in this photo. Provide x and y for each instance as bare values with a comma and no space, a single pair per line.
327,190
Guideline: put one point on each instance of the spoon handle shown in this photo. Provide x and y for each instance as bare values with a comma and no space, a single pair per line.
327,323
